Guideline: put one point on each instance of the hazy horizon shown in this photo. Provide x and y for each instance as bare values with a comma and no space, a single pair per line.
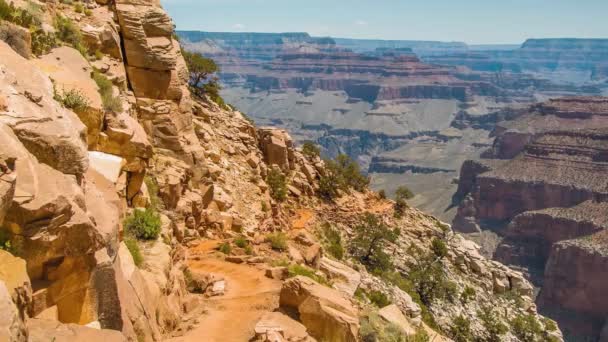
475,22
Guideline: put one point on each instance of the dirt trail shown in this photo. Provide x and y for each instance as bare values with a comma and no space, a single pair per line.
232,317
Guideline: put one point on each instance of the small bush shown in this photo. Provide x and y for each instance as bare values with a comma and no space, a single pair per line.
278,241
378,298
527,328
42,42
69,33
370,241
78,7
341,174
111,103
225,248
382,194
299,270
5,242
460,331
88,12
143,224
310,150
73,99
249,250
549,324
467,295
332,241
402,194
277,184
439,248
133,248
492,324
241,242
264,206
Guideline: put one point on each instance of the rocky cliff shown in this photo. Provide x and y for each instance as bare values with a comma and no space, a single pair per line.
541,184
132,211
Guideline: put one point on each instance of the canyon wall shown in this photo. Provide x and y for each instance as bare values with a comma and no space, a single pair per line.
542,182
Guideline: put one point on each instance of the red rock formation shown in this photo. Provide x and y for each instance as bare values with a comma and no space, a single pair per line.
545,178
576,277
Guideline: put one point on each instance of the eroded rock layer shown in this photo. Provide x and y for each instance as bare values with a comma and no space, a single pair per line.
543,180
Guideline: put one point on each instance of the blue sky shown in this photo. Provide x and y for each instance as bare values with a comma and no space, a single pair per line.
471,21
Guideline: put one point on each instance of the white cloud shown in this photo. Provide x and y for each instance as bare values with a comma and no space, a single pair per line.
239,26
361,23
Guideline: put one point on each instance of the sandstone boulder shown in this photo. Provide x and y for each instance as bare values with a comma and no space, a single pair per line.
13,274
55,135
277,147
282,326
19,38
326,314
393,314
46,330
70,71
12,327
344,278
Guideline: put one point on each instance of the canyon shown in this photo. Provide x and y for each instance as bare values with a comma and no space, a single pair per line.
409,112
541,188
505,142
132,208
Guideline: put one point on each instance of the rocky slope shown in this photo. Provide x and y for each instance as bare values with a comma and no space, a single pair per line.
541,187
102,127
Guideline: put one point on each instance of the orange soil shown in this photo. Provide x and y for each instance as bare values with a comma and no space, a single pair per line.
304,217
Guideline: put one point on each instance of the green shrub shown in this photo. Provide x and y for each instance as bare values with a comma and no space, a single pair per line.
42,42
133,248
241,242
460,330
300,270
5,242
264,206
439,248
493,326
111,103
278,241
549,324
143,224
429,278
73,99
341,174
202,77
277,184
467,295
378,298
78,7
402,194
527,328
382,194
368,246
407,285
332,241
249,250
310,150
88,13
69,33
225,248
